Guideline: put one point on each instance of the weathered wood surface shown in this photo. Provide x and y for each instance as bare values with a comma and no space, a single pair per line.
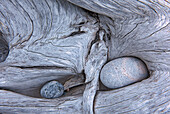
140,29
132,28
95,61
48,40
135,28
148,96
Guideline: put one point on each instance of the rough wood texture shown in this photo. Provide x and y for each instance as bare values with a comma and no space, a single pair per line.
74,81
96,59
48,40
137,28
148,96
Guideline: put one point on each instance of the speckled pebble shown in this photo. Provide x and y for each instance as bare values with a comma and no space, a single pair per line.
52,90
123,71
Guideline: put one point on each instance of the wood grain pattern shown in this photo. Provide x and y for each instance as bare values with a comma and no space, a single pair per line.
45,43
95,61
141,29
148,96
137,28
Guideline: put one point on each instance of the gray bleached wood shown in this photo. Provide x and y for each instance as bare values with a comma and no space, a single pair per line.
74,81
133,28
24,104
140,29
48,40
148,96
96,59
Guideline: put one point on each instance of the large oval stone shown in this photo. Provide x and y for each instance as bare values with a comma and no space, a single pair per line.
52,90
123,71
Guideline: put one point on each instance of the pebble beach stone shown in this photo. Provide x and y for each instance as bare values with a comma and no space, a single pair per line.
123,71
52,90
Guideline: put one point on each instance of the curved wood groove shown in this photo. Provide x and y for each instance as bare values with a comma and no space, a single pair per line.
137,28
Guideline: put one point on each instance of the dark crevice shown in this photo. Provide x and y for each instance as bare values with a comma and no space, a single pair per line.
97,38
4,48
92,14
109,33
35,91
40,67
76,33
81,23
76,88
8,89
93,42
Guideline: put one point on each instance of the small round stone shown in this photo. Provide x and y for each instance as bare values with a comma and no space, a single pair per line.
123,71
52,90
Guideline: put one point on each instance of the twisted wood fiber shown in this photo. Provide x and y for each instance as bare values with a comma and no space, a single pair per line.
132,28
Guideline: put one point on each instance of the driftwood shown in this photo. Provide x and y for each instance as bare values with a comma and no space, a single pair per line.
54,40
149,96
